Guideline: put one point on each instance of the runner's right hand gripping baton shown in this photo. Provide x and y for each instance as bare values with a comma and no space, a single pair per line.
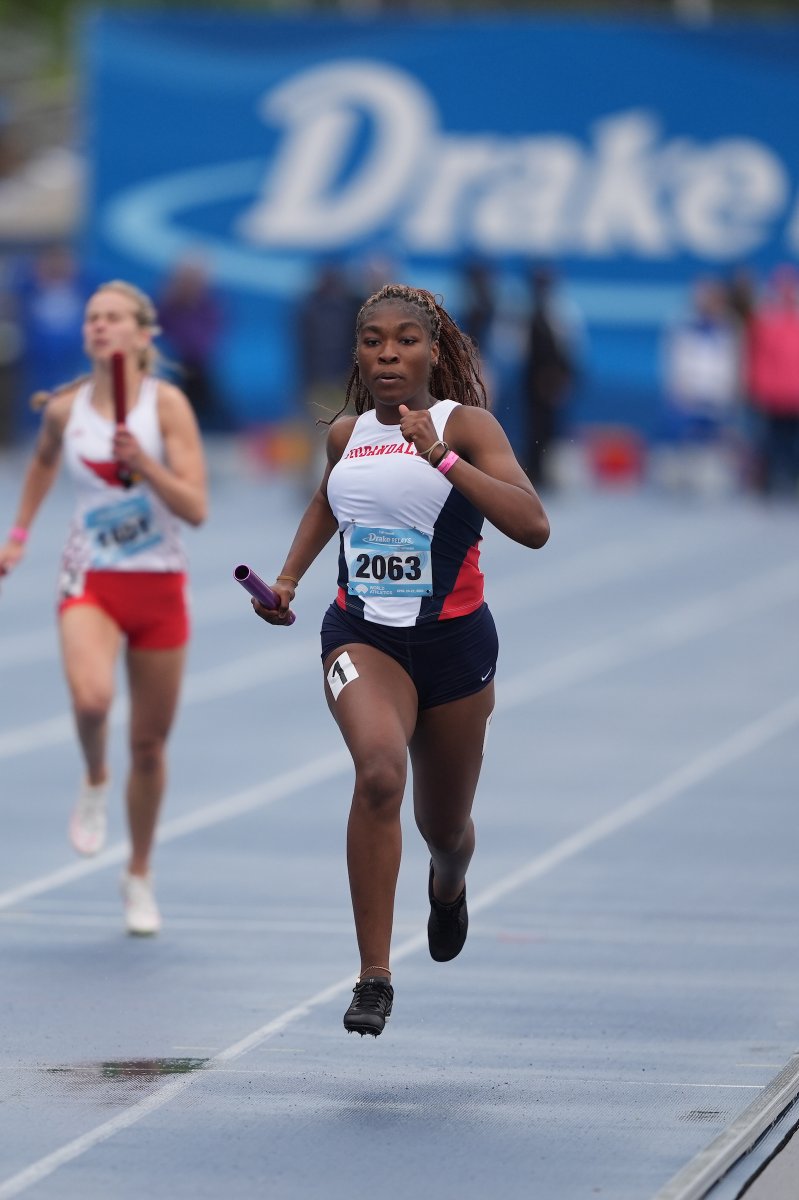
262,592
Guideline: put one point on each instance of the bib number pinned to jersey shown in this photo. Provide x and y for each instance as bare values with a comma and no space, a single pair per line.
120,530
388,562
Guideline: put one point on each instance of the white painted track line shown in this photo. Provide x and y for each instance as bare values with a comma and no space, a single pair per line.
706,614
695,619
744,741
705,1170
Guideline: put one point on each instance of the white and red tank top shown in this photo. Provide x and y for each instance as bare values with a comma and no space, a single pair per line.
409,541
114,528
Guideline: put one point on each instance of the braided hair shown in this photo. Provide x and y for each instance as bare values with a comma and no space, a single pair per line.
456,376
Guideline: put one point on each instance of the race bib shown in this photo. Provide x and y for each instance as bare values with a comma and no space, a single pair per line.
388,562
117,531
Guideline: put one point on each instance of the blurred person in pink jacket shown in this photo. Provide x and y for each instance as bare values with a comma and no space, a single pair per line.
772,374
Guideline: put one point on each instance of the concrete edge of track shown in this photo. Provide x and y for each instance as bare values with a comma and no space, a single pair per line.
764,1156
695,1180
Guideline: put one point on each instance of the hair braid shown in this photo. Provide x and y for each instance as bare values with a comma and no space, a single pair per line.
456,376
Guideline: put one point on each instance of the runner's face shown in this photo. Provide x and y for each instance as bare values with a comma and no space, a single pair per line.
110,325
396,356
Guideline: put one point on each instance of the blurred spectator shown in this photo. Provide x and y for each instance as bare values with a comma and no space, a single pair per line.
741,291
325,346
549,372
701,373
192,320
741,296
772,373
479,310
51,293
479,305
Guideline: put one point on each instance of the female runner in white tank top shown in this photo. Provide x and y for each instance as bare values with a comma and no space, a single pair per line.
123,568
408,644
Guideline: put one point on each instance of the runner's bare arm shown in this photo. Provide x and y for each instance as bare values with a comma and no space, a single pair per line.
489,475
40,475
181,481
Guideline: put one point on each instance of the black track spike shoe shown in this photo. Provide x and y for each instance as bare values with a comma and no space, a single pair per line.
447,926
371,1006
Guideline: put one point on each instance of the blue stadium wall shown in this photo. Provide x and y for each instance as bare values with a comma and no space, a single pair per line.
633,156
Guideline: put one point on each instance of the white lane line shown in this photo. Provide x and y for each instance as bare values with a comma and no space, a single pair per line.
250,671
710,613
610,562
588,570
72,1150
745,741
685,622
54,731
707,615
278,788
217,603
711,1164
179,924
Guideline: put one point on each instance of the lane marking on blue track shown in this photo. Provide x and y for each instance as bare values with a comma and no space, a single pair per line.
712,1163
748,739
288,783
586,571
708,614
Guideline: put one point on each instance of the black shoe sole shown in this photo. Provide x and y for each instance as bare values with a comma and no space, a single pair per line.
363,1032
358,1025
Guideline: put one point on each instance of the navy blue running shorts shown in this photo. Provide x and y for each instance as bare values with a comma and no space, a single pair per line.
445,659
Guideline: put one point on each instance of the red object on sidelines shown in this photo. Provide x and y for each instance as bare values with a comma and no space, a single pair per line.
616,456
262,592
120,407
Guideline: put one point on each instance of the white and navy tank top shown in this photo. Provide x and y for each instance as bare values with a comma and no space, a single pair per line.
409,541
114,528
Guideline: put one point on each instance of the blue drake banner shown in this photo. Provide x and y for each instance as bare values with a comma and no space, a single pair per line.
635,156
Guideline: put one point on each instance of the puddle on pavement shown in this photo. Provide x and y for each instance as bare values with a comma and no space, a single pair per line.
116,1081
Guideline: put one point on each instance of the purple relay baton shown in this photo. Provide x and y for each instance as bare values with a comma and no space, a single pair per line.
260,590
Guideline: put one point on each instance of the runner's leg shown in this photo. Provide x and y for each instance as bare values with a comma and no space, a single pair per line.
447,755
90,643
376,713
154,678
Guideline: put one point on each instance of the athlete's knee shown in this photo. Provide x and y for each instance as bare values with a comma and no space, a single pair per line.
91,703
147,753
380,783
443,842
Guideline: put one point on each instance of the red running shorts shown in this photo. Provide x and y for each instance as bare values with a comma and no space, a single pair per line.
150,607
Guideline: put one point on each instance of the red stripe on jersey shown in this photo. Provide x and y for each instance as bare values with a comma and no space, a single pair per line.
467,594
341,598
107,470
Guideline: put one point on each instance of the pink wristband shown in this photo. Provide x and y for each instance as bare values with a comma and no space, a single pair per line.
18,534
447,462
